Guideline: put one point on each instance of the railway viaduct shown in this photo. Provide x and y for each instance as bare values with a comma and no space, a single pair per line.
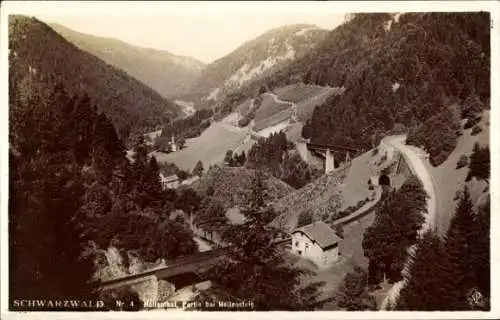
332,154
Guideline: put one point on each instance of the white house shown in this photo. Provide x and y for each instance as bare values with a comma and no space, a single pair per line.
170,182
316,242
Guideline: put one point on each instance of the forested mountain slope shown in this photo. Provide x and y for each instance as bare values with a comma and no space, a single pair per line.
400,73
38,55
168,74
69,179
254,59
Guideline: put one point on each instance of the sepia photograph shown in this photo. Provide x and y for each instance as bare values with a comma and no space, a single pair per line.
188,157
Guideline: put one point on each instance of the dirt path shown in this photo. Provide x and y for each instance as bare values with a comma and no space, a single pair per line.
299,145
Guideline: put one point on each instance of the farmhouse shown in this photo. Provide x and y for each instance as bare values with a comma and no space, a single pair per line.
170,182
316,242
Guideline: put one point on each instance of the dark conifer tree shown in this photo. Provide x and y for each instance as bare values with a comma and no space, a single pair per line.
481,250
211,215
255,270
353,293
47,258
424,291
457,270
198,169
396,226
479,164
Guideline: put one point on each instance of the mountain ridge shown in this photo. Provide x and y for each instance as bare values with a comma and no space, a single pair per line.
169,74
131,105
254,58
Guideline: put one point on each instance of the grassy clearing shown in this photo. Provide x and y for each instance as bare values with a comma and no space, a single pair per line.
299,92
210,147
448,180
244,108
355,185
272,120
269,107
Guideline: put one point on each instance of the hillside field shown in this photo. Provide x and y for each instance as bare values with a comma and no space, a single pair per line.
210,147
300,92
269,107
304,96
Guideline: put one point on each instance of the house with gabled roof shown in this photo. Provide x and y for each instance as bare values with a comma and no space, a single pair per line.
316,242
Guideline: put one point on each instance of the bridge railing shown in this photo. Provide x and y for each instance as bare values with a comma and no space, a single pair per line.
312,145
186,260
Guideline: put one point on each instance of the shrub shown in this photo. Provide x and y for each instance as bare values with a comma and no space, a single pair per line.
183,175
476,130
471,106
462,162
471,122
325,216
244,122
375,152
339,231
384,158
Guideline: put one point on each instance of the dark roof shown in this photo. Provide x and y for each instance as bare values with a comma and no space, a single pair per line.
319,232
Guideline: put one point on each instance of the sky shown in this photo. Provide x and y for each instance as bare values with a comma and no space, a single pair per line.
206,31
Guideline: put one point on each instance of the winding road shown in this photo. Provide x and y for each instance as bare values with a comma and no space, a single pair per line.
300,146
418,163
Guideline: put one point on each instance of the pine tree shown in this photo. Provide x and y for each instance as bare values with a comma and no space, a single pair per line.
396,226
255,270
458,270
228,159
181,142
424,291
198,169
188,200
479,165
211,215
46,246
353,293
481,250
153,185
